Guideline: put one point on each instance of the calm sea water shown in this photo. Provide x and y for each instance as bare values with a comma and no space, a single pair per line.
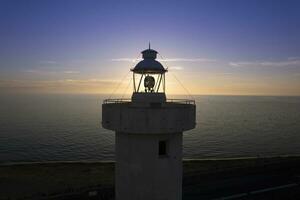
67,127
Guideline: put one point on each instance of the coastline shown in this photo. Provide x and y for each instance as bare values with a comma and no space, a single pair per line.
12,163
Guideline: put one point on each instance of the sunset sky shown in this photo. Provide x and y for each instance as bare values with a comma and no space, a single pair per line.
213,47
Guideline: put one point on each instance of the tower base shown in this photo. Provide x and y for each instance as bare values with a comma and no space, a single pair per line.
148,166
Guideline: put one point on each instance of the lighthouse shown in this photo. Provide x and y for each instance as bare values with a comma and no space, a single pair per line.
148,135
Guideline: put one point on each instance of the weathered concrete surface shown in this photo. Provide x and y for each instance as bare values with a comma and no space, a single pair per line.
156,118
140,125
141,173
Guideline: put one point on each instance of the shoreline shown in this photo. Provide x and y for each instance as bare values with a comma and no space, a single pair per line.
112,161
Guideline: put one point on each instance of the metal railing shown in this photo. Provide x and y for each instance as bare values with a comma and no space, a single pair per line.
107,101
182,101
179,101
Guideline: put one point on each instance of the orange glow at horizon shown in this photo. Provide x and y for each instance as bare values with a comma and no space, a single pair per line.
201,85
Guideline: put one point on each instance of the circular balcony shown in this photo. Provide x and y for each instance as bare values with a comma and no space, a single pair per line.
170,116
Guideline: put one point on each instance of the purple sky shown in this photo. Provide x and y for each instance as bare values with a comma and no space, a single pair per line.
213,47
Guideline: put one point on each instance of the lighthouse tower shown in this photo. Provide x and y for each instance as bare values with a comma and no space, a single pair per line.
148,131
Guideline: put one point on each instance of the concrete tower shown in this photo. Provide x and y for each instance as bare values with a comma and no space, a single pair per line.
148,135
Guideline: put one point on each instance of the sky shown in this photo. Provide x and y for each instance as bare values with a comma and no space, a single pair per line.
229,47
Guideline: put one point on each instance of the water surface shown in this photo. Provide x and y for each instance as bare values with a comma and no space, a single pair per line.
67,127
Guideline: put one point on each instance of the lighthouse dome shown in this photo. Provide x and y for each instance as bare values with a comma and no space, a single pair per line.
149,64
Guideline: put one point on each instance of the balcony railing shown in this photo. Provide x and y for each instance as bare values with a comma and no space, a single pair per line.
107,101
179,101
182,101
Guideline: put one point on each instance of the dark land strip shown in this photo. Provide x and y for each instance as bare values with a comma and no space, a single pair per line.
237,178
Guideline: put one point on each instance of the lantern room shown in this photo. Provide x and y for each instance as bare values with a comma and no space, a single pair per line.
149,74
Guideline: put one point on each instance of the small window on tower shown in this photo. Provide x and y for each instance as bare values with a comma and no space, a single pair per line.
162,148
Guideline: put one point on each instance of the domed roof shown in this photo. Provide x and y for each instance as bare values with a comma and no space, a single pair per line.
149,64
149,53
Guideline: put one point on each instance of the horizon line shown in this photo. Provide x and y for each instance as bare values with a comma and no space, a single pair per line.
124,95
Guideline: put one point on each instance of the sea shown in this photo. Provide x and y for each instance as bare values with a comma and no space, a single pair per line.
60,127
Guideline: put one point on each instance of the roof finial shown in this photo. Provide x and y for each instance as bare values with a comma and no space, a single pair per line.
149,45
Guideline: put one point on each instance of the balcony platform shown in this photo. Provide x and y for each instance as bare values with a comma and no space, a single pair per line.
171,116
